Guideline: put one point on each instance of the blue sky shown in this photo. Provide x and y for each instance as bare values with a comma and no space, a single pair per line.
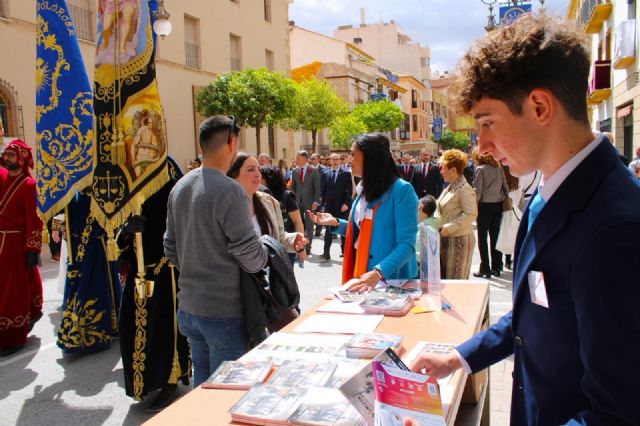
446,26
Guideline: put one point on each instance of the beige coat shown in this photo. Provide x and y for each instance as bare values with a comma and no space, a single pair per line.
457,208
275,217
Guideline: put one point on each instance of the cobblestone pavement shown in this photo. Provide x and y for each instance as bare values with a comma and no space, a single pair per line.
40,386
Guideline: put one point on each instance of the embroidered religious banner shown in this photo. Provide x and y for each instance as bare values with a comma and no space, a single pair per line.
130,164
64,110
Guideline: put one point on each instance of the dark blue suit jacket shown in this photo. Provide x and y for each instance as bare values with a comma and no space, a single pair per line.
335,194
578,361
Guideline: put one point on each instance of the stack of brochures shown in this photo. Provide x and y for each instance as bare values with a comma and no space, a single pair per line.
413,288
325,406
302,373
369,345
239,375
267,404
387,304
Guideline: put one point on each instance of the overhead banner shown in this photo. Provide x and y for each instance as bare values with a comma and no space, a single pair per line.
64,111
131,144
508,14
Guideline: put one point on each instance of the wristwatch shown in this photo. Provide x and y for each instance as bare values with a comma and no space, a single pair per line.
380,273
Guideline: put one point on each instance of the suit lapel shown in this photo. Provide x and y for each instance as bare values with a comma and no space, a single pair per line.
572,195
549,222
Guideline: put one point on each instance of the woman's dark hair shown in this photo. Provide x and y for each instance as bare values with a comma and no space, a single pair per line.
258,208
274,181
428,205
512,181
379,171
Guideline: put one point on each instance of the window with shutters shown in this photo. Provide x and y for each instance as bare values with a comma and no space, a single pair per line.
236,52
4,8
268,59
267,10
191,42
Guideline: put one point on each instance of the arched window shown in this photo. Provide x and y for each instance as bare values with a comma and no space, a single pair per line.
267,10
4,118
10,111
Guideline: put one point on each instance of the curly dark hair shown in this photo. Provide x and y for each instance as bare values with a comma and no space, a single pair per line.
537,51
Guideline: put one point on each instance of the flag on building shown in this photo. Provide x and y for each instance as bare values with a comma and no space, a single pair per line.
131,145
64,110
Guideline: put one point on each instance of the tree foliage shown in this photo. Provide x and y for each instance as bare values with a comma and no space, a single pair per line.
454,140
255,97
378,116
344,129
315,107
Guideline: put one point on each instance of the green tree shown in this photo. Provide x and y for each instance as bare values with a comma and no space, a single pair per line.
378,116
454,140
255,97
344,129
315,107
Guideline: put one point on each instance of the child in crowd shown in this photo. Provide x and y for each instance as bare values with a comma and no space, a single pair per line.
426,209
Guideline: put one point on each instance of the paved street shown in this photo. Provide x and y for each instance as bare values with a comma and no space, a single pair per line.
40,386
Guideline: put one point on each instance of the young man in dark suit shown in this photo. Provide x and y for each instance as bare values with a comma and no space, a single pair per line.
426,178
336,198
574,329
306,185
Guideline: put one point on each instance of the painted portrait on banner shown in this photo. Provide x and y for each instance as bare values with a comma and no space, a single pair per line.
132,145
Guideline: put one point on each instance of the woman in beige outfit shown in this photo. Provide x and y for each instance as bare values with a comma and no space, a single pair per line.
457,209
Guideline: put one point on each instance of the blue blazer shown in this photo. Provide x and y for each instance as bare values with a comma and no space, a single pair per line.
393,237
577,362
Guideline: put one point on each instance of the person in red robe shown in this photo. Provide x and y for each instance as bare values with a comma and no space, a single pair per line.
20,242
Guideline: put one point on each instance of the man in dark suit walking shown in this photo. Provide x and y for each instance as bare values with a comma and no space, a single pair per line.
426,178
336,198
306,185
574,328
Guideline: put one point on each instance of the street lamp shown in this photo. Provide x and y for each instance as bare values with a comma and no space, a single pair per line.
491,24
161,25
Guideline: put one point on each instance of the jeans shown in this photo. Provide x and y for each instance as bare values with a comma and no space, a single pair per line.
212,341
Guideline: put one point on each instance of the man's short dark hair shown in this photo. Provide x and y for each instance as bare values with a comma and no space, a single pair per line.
537,51
216,131
304,154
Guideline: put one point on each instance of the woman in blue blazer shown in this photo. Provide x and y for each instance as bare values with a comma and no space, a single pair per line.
383,223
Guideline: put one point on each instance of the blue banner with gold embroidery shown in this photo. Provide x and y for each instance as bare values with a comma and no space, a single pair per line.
64,110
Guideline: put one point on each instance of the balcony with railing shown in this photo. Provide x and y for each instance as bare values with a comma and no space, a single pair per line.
83,20
594,13
192,55
600,82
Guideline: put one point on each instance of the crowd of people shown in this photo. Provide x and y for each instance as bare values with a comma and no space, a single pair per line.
223,240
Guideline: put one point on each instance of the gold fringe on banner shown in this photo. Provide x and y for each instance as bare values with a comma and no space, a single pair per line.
112,247
45,234
175,368
129,208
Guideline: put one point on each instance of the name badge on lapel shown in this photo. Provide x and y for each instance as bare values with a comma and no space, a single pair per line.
537,288
368,214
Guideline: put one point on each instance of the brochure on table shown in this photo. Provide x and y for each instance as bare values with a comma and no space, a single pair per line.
403,394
